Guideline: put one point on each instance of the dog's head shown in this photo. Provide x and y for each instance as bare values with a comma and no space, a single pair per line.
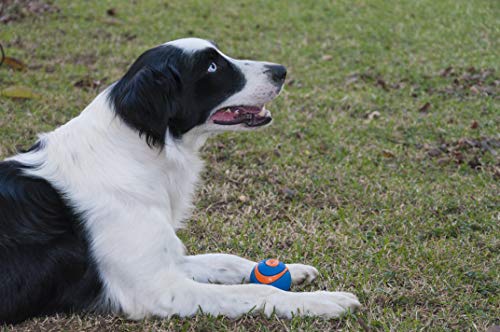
189,83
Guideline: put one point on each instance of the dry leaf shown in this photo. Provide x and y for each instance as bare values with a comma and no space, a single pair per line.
111,12
14,63
474,163
326,57
425,108
388,154
88,82
20,92
374,115
459,156
446,72
382,84
474,125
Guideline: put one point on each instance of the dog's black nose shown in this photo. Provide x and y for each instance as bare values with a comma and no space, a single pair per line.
276,72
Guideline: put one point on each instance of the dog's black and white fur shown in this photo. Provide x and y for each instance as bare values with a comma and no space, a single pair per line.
88,215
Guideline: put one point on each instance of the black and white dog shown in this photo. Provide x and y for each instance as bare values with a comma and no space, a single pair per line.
88,215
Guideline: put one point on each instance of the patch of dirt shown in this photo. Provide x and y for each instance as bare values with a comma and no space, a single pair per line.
467,151
458,82
376,79
472,80
16,10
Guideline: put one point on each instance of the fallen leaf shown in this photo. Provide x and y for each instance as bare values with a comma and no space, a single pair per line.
464,142
111,12
425,108
459,156
243,198
474,125
382,84
446,72
20,92
373,115
388,154
14,63
474,163
131,36
299,135
326,57
88,82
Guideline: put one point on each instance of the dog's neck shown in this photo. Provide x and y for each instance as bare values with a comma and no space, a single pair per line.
97,154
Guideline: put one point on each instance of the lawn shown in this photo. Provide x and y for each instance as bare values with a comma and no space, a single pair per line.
381,169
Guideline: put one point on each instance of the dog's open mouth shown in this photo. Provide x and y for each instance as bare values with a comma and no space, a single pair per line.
251,116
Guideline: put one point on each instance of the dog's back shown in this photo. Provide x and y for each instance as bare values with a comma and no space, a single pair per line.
43,255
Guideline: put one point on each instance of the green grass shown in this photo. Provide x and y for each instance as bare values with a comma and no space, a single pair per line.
399,208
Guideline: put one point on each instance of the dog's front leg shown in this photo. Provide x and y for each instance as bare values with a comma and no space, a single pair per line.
217,268
187,297
231,269
141,276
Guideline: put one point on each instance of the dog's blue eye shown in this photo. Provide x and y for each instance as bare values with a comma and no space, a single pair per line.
212,68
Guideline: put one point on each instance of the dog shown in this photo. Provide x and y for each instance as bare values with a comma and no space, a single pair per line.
88,215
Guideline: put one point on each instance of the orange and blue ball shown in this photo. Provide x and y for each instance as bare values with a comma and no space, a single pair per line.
271,272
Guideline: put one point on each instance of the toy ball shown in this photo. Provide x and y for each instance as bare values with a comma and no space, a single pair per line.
271,272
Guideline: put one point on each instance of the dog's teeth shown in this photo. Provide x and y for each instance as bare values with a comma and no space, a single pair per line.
237,111
262,112
228,110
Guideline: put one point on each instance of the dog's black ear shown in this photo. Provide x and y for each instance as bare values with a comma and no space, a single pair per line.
147,100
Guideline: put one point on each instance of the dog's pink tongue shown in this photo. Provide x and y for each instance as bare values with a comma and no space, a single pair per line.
223,116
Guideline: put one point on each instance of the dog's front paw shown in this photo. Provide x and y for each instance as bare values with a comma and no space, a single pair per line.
317,304
302,273
330,304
